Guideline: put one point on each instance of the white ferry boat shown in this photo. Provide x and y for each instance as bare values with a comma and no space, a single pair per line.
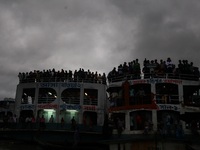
62,95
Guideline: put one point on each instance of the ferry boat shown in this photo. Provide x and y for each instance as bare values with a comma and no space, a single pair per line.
158,95
156,98
59,96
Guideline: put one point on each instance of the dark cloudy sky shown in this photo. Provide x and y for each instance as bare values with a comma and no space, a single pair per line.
93,34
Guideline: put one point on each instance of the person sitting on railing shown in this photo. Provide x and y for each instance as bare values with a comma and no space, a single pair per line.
185,67
170,66
88,76
146,71
153,66
25,77
196,73
99,78
112,74
70,74
157,68
161,68
149,67
180,66
190,68
81,74
136,69
75,77
20,76
120,70
104,78
131,68
95,77
125,68
62,75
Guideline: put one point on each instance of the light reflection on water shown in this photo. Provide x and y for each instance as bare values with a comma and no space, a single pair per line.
15,145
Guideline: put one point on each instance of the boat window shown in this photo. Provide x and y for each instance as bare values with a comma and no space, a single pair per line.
140,94
115,96
167,93
191,95
166,119
138,120
118,116
192,121
90,97
28,96
71,96
46,95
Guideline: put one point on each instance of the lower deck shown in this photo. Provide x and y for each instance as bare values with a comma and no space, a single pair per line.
148,121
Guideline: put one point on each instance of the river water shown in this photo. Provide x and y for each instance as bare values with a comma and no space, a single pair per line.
15,145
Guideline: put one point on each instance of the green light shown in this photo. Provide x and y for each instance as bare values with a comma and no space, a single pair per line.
49,110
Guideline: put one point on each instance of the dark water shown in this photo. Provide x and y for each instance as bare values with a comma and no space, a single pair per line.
19,145
16,145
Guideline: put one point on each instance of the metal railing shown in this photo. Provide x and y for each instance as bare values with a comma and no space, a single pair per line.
90,102
167,99
45,100
71,100
56,79
149,75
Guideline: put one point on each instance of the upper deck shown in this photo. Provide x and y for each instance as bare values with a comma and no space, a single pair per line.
153,69
62,76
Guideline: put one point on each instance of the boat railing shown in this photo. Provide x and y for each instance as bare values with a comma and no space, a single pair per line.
56,79
28,100
90,102
193,101
133,100
167,99
66,100
45,100
71,100
119,78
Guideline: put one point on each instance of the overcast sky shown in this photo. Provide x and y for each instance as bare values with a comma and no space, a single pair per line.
93,34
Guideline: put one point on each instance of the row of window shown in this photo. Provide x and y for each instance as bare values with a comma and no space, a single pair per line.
68,96
166,93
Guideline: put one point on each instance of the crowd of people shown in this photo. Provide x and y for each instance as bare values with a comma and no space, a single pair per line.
130,70
30,122
155,69
52,75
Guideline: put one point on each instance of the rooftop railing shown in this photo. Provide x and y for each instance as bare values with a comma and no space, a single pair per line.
50,79
148,75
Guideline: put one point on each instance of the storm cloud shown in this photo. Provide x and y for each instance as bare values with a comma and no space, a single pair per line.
93,34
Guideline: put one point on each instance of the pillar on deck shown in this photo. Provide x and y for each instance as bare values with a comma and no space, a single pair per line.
154,120
127,121
125,86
